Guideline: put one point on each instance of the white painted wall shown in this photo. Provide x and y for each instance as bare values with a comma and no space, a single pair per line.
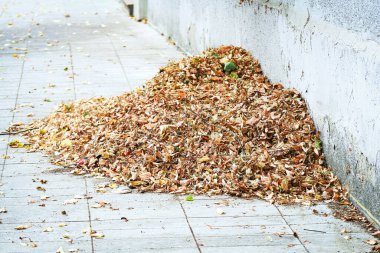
328,50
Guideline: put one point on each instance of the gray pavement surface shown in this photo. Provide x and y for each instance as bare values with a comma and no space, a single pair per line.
61,50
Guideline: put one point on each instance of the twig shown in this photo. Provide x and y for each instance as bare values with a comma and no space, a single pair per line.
312,230
18,132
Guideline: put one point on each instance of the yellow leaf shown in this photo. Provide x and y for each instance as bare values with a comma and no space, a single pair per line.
16,144
96,235
203,159
260,165
22,227
112,185
66,143
136,183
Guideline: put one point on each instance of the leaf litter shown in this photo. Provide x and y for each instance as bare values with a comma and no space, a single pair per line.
209,124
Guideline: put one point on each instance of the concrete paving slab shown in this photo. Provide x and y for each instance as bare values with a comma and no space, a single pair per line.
240,230
157,244
14,193
26,158
321,209
238,221
127,249
7,104
50,181
143,224
246,240
331,243
22,246
37,170
345,228
47,232
29,213
235,207
262,249
135,209
311,219
115,233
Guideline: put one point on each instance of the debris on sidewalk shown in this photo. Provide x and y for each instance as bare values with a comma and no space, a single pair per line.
209,124
27,242
23,227
96,235
47,229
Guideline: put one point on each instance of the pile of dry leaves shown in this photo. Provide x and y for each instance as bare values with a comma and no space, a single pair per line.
209,124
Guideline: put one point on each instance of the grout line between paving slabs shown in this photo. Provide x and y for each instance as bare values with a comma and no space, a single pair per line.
72,71
294,232
116,53
17,96
188,223
3,164
85,180
89,217
121,64
13,117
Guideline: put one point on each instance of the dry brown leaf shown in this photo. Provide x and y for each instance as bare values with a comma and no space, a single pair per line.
39,188
100,204
196,128
371,242
376,234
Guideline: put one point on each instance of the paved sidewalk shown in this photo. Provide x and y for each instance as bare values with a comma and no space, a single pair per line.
53,51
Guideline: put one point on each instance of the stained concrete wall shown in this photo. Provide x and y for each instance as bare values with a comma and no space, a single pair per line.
328,50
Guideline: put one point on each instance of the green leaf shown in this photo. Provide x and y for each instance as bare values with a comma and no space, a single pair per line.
216,55
189,198
229,66
318,144
234,75
68,107
66,69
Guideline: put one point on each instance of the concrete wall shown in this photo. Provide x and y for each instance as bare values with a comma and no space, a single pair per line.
140,9
328,50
